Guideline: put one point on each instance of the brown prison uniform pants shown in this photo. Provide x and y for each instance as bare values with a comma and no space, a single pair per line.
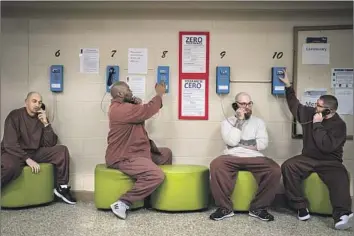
332,173
146,172
223,171
11,166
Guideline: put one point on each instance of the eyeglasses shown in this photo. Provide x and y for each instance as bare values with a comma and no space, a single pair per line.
245,104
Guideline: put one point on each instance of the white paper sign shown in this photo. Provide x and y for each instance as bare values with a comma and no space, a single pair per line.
342,78
345,101
90,60
315,53
311,96
137,85
193,97
194,54
137,61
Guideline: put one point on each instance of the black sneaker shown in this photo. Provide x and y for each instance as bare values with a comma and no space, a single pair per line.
303,214
261,214
345,221
64,194
221,213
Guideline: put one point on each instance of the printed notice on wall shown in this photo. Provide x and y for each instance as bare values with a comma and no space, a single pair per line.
315,53
137,61
193,97
311,95
194,54
342,78
345,100
137,85
89,60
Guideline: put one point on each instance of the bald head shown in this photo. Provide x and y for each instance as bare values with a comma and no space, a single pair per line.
243,97
33,103
33,93
244,102
121,90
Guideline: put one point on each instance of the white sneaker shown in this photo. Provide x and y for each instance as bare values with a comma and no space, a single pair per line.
119,208
345,222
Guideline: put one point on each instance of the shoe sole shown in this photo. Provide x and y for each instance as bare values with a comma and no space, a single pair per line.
347,225
119,216
253,215
304,218
225,216
63,198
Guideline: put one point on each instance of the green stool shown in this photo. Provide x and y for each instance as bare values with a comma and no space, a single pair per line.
317,195
110,184
245,189
30,189
185,188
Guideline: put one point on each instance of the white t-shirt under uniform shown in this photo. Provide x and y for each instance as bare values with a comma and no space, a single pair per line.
253,128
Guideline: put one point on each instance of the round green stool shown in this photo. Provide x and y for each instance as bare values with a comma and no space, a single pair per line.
245,189
110,185
185,188
30,189
317,194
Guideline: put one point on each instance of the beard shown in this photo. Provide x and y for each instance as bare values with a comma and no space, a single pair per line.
248,115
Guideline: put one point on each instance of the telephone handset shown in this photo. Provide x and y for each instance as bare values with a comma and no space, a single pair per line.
234,106
110,77
326,112
42,108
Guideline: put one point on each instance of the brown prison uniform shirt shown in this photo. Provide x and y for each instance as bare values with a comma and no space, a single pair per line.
127,136
23,134
323,140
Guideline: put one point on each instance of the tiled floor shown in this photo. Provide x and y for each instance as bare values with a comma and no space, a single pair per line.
83,219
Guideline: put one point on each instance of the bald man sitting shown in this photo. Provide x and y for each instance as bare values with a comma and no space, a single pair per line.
129,148
28,140
245,136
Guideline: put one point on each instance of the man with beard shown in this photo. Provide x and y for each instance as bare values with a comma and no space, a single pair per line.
245,136
324,135
129,148
29,139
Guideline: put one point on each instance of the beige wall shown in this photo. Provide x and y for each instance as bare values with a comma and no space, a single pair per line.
250,39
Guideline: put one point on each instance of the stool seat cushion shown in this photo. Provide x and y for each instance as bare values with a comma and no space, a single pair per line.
110,185
245,189
185,188
317,195
30,189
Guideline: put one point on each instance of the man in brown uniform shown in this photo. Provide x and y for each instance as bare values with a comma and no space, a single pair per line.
245,136
129,148
324,135
29,139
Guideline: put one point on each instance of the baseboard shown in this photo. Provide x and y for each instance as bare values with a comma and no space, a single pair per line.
84,196
88,196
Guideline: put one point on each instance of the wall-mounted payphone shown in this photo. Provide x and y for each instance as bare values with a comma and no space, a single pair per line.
278,87
222,79
163,74
56,78
112,76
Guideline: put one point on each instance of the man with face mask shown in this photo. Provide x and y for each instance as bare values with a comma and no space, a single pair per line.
29,139
129,148
245,136
323,141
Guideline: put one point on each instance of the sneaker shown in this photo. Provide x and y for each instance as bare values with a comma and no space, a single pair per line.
221,213
303,214
261,214
344,222
63,192
119,208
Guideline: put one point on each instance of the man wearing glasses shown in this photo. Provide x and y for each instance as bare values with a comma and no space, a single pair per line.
245,136
324,135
